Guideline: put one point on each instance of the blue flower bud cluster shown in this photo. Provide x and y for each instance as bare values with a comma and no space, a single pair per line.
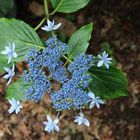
36,79
72,93
68,97
79,69
37,85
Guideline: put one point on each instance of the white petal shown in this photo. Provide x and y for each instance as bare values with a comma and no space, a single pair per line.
99,56
46,28
98,105
92,104
100,63
9,81
17,110
6,76
77,119
48,129
45,123
11,101
49,23
105,54
7,70
56,121
5,52
13,46
81,114
56,128
56,26
15,54
9,59
107,65
108,59
101,101
11,110
91,95
13,68
49,118
8,48
79,122
86,122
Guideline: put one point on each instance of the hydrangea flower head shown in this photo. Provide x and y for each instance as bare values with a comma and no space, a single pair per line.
15,106
11,73
10,51
94,100
104,60
51,125
80,119
51,26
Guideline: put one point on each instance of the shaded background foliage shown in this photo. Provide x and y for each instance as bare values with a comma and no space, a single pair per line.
117,29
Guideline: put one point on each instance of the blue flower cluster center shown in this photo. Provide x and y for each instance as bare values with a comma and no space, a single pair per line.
73,79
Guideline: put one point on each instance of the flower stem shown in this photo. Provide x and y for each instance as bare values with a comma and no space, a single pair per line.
68,60
40,24
46,8
89,89
53,12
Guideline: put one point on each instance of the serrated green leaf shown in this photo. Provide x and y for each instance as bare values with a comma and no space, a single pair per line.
68,6
24,37
16,90
108,83
79,41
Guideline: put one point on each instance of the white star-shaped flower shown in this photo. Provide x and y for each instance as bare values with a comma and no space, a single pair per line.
10,51
10,74
104,60
15,106
50,125
80,119
94,100
51,26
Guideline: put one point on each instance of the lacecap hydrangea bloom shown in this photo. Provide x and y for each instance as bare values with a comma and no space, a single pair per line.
46,66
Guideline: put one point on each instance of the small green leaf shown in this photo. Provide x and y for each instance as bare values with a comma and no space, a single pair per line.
79,41
16,90
108,83
68,6
24,37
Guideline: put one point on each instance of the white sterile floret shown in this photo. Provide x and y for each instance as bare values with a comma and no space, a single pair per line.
11,73
50,26
80,119
15,106
51,125
104,60
94,100
10,51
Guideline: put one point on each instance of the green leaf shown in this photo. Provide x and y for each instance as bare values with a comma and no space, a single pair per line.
24,37
68,6
108,83
16,90
79,41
